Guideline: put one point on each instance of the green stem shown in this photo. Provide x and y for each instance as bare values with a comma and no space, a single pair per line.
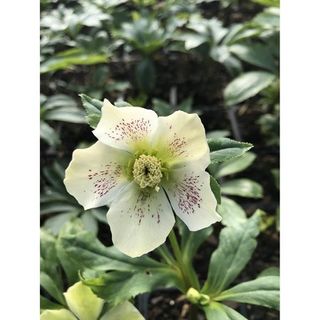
187,271
166,255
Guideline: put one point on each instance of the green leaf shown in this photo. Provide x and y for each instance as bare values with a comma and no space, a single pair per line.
232,214
89,222
49,262
216,134
49,285
215,187
271,271
243,188
145,74
218,311
48,134
54,224
263,291
86,251
246,86
123,311
93,109
269,3
192,240
116,287
71,57
161,107
224,149
47,304
235,165
235,249
256,54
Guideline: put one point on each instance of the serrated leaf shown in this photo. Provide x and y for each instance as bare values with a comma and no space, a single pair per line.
116,287
223,149
246,86
86,251
235,165
93,109
235,249
242,188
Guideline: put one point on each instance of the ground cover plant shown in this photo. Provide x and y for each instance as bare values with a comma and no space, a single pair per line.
159,160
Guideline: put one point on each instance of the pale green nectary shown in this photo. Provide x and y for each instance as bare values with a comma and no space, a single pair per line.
144,167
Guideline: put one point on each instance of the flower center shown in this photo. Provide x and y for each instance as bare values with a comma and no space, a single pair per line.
147,171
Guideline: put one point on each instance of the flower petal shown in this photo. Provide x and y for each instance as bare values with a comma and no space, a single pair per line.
191,197
61,314
95,174
126,127
140,221
83,302
123,311
181,137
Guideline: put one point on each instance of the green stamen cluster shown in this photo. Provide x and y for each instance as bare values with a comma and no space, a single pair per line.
147,171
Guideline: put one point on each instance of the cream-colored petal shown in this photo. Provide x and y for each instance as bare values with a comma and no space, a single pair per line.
191,197
127,127
140,222
123,311
83,302
180,139
61,314
96,174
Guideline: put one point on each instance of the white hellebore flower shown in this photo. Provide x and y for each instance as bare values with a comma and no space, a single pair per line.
144,167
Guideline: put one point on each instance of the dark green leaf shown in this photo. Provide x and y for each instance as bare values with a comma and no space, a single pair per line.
246,86
116,287
224,149
93,109
256,54
243,188
49,285
235,165
70,58
215,187
232,214
236,246
263,291
86,251
145,74
48,134
218,311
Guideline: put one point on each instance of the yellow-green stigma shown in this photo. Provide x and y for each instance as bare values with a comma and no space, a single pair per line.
147,171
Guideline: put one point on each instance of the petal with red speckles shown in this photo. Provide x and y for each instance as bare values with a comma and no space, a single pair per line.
140,221
125,128
181,138
191,197
96,174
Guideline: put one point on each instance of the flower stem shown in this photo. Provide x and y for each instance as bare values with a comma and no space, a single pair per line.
187,271
166,255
